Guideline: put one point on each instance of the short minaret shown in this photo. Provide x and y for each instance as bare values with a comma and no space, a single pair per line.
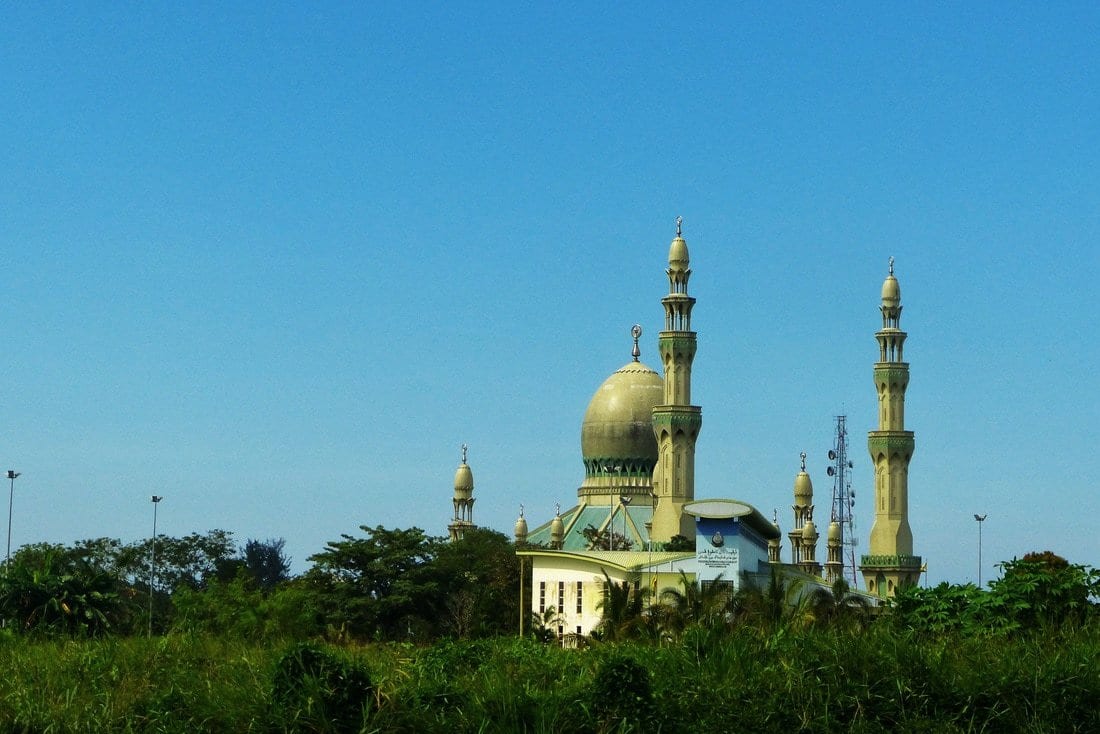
557,530
676,423
890,563
773,543
834,566
520,530
809,562
803,508
463,500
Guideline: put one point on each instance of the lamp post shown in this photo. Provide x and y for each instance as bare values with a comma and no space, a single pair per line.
12,474
980,519
153,560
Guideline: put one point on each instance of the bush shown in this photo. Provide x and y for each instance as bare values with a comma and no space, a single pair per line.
622,698
314,690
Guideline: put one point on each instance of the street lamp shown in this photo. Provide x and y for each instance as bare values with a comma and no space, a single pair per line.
156,498
980,519
12,474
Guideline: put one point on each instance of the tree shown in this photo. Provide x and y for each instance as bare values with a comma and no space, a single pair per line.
266,563
622,609
606,539
58,593
838,606
478,581
709,605
380,586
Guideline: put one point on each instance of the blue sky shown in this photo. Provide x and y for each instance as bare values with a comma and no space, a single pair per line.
277,264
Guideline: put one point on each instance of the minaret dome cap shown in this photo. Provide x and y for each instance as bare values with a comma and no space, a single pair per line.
678,258
891,291
464,478
809,532
834,532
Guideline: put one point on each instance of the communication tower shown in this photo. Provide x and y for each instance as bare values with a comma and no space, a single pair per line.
843,500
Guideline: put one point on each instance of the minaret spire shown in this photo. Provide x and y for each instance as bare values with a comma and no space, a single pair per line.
890,563
676,423
463,500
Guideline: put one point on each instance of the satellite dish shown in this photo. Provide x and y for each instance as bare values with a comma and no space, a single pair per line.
830,469
832,455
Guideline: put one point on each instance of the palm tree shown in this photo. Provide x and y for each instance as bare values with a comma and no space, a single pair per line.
544,626
622,610
838,606
709,605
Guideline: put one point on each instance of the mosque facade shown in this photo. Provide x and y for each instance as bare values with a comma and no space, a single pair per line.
637,518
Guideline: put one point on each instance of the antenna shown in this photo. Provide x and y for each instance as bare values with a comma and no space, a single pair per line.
843,500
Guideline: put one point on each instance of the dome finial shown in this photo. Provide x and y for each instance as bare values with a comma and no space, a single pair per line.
679,225
557,509
636,332
891,265
464,448
803,455
521,510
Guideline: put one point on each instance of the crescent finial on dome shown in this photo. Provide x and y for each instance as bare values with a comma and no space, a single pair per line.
636,332
803,455
679,226
891,265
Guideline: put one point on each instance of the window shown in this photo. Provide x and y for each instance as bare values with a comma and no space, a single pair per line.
542,596
561,597
580,599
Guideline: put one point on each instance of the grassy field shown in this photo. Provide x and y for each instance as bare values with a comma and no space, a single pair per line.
807,681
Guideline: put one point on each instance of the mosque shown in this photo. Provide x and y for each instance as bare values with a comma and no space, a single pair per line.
637,517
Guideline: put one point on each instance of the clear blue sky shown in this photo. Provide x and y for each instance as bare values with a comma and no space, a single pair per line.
279,263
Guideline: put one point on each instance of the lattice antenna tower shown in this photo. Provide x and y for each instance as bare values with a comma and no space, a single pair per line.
843,501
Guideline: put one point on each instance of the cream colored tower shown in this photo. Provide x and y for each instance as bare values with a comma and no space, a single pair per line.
463,500
890,564
803,510
676,423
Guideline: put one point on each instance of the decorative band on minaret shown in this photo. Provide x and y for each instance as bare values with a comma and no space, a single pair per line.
890,564
677,422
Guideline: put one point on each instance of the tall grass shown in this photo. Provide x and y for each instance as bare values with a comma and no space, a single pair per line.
814,681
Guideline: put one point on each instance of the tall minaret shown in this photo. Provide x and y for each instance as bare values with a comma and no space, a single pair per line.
803,511
463,500
677,422
890,563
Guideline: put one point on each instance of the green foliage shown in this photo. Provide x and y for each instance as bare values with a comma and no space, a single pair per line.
380,586
622,610
59,593
606,539
478,585
678,543
622,699
814,680
1038,592
315,690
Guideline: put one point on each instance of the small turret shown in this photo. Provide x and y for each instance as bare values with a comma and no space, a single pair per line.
521,528
557,530
463,499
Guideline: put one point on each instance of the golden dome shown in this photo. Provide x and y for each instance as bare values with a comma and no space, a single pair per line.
891,291
803,487
617,432
464,481
809,532
520,530
678,254
834,532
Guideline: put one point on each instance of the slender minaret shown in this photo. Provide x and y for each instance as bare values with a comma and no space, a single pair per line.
803,508
463,500
890,562
676,423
